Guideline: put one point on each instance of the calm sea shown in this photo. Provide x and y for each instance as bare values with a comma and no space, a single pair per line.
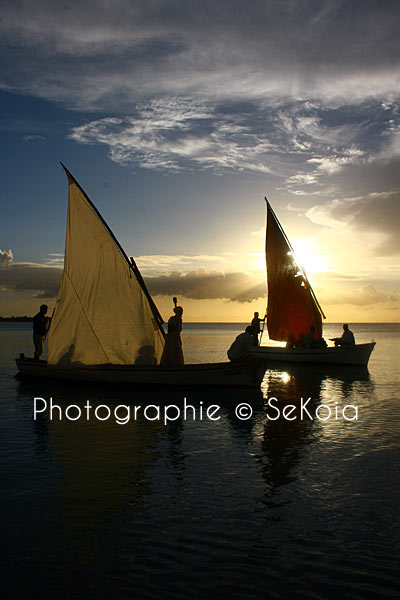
257,508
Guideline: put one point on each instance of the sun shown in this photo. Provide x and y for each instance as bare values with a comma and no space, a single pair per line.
310,258
308,255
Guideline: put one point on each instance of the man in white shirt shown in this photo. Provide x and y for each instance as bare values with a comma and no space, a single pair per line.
241,347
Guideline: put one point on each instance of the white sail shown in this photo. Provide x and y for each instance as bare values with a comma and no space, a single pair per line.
102,313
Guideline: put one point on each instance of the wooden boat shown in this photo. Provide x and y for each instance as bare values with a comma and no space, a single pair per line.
293,308
204,374
357,355
106,326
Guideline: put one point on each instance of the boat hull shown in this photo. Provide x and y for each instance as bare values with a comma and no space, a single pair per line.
207,374
357,355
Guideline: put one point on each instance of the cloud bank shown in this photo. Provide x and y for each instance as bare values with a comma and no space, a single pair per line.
211,285
114,53
42,281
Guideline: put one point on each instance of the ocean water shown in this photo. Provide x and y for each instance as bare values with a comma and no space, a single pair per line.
259,508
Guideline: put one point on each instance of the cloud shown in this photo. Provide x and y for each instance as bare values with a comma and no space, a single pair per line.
98,55
55,259
6,258
377,213
166,262
333,275
304,142
201,284
301,90
43,280
177,133
367,295
31,138
19,277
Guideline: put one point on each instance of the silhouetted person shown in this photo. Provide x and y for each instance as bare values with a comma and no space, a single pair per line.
311,341
256,327
146,356
310,337
241,347
40,328
290,343
172,355
301,341
347,338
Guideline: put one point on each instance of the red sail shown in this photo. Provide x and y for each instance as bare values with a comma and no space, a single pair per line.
292,306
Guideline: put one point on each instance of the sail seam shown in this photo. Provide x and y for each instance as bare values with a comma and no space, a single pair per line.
87,318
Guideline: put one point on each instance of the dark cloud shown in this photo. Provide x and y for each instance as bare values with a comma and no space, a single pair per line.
376,213
106,54
210,285
21,277
199,284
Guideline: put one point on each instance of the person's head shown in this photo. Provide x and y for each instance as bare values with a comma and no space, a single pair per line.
345,327
43,309
178,310
249,329
256,314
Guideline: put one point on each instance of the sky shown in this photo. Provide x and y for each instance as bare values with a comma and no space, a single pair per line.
177,118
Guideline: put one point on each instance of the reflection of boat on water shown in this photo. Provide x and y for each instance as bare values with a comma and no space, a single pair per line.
106,327
293,308
345,373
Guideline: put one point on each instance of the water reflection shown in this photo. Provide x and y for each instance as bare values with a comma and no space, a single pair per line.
284,440
145,499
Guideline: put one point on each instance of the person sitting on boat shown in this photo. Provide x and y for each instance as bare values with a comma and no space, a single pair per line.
310,338
41,325
314,342
255,324
146,356
290,343
172,355
240,350
347,338
301,341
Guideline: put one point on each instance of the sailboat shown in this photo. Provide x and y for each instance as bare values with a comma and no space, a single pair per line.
292,308
106,326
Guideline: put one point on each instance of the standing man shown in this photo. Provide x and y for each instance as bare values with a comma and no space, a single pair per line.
256,327
40,327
